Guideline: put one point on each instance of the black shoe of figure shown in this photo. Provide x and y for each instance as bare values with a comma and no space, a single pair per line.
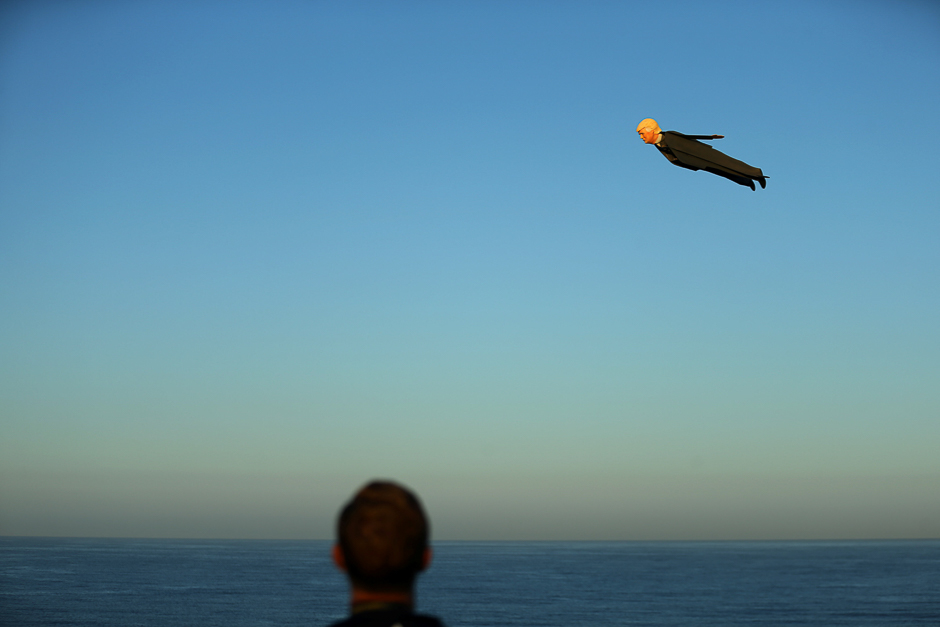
751,183
763,182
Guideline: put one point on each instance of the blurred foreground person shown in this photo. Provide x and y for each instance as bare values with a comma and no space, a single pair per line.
382,546
686,151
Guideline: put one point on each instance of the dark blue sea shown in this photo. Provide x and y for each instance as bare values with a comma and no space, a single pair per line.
158,583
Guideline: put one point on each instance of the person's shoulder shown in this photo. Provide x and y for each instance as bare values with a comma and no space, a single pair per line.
676,135
680,141
668,136
389,619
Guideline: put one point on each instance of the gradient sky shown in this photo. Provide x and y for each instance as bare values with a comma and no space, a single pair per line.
253,254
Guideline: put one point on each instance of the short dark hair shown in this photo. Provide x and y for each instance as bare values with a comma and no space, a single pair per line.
383,534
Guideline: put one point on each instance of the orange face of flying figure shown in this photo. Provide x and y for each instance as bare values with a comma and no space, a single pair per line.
649,131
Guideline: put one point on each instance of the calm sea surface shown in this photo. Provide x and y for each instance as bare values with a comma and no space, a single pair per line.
84,582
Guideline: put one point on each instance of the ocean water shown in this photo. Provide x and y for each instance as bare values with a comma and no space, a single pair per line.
85,582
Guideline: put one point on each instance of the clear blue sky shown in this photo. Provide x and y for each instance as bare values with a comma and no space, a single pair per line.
253,254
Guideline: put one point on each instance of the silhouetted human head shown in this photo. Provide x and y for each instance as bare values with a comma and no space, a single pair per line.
649,130
383,538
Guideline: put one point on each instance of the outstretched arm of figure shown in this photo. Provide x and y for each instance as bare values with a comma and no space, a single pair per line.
705,136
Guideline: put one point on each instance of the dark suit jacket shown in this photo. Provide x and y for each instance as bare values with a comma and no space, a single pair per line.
389,618
686,151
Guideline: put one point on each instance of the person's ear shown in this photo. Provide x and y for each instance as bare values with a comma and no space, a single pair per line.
426,558
338,558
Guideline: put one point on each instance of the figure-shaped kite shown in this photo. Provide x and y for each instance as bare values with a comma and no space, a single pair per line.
686,151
